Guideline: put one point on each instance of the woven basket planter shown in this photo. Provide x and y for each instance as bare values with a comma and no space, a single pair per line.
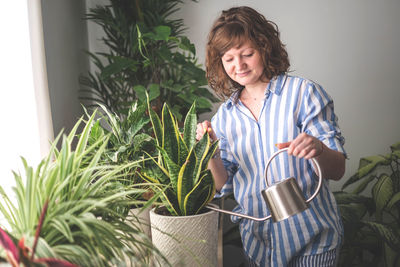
186,240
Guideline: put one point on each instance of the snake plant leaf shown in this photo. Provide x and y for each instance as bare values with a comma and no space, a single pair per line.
190,125
183,151
367,165
157,126
211,151
200,149
185,178
387,233
173,170
201,194
382,192
170,134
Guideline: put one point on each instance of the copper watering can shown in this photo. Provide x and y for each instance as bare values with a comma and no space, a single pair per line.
284,199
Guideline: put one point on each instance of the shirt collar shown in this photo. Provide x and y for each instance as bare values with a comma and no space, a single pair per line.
275,86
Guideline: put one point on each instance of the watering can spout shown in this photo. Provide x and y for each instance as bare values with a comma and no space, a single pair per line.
284,199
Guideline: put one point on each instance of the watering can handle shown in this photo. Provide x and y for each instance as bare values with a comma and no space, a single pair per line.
266,169
315,163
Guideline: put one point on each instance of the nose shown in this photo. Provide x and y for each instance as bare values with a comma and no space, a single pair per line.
239,63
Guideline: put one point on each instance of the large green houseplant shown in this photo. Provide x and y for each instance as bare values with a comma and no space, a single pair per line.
183,229
372,221
147,52
82,223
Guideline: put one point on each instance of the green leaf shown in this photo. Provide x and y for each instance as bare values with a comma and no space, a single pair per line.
393,201
190,125
382,192
119,64
186,178
156,123
203,102
367,166
140,91
395,147
361,187
170,134
348,198
154,91
173,170
201,194
162,33
387,233
186,45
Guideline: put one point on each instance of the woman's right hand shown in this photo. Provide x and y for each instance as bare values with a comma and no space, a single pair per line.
204,127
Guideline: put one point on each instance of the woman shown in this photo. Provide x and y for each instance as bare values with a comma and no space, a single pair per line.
266,109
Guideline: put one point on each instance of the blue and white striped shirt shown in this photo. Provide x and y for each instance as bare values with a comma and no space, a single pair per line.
292,105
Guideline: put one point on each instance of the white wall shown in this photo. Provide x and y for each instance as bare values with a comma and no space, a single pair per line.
65,37
349,47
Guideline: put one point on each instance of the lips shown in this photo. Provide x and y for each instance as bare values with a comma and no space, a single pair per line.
242,74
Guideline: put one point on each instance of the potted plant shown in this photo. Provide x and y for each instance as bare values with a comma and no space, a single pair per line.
372,222
82,223
182,229
147,51
128,138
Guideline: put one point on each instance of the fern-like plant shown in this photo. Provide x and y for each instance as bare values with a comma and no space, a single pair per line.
180,171
372,221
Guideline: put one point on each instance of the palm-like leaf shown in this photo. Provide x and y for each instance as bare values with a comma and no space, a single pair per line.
148,52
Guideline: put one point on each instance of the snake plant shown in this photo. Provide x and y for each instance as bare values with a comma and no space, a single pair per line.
180,171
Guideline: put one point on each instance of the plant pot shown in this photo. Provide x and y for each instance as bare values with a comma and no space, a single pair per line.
140,218
186,240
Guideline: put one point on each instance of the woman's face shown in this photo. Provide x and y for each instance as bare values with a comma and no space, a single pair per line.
244,65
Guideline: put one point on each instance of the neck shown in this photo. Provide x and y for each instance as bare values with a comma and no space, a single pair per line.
254,92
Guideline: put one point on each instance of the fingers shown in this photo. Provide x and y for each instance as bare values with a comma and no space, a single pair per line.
303,146
282,145
202,128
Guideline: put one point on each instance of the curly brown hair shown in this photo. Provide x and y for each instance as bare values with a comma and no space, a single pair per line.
233,28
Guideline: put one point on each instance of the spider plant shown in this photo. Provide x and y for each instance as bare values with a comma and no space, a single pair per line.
181,165
82,224
372,221
147,53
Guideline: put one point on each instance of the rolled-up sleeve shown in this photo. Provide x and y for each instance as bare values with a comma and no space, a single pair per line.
319,118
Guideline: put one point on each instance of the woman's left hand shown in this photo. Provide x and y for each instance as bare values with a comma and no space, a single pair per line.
303,146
